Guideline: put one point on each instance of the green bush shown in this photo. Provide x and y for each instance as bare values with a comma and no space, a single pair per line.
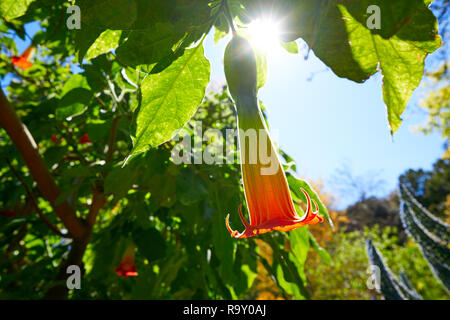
346,277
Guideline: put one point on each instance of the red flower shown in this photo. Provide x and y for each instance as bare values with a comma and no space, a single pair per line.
85,139
126,267
7,213
266,189
24,60
54,139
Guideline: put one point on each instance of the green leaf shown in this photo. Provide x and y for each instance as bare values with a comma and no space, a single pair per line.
108,14
261,70
120,180
106,42
299,245
85,38
76,81
190,187
251,275
321,251
73,103
219,34
290,47
149,45
400,58
94,77
295,184
99,16
75,95
223,246
11,9
287,284
299,252
150,243
338,34
170,98
98,129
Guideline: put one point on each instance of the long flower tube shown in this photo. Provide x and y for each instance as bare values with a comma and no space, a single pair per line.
267,194
23,61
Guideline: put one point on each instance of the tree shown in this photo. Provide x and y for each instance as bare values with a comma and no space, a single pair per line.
359,186
431,188
375,211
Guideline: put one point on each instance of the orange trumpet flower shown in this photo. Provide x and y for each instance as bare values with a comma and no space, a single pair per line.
24,60
127,267
266,189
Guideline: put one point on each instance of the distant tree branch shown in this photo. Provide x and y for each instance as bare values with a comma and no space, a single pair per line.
24,142
351,185
98,201
59,290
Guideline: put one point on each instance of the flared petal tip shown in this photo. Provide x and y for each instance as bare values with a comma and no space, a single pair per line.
232,232
124,272
281,224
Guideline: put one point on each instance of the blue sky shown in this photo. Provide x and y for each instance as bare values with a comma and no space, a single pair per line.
328,121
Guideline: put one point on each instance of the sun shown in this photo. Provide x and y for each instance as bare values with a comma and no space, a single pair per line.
265,34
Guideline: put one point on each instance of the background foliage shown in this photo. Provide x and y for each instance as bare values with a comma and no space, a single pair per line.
116,90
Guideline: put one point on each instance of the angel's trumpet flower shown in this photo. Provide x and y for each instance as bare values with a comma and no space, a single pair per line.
127,267
266,189
267,194
23,61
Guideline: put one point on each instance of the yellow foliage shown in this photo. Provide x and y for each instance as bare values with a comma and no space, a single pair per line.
323,232
264,287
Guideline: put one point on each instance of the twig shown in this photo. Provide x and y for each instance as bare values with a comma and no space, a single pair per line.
33,199
59,289
101,102
98,200
229,17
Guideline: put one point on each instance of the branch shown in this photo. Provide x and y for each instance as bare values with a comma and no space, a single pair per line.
229,16
98,200
59,290
27,147
33,200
